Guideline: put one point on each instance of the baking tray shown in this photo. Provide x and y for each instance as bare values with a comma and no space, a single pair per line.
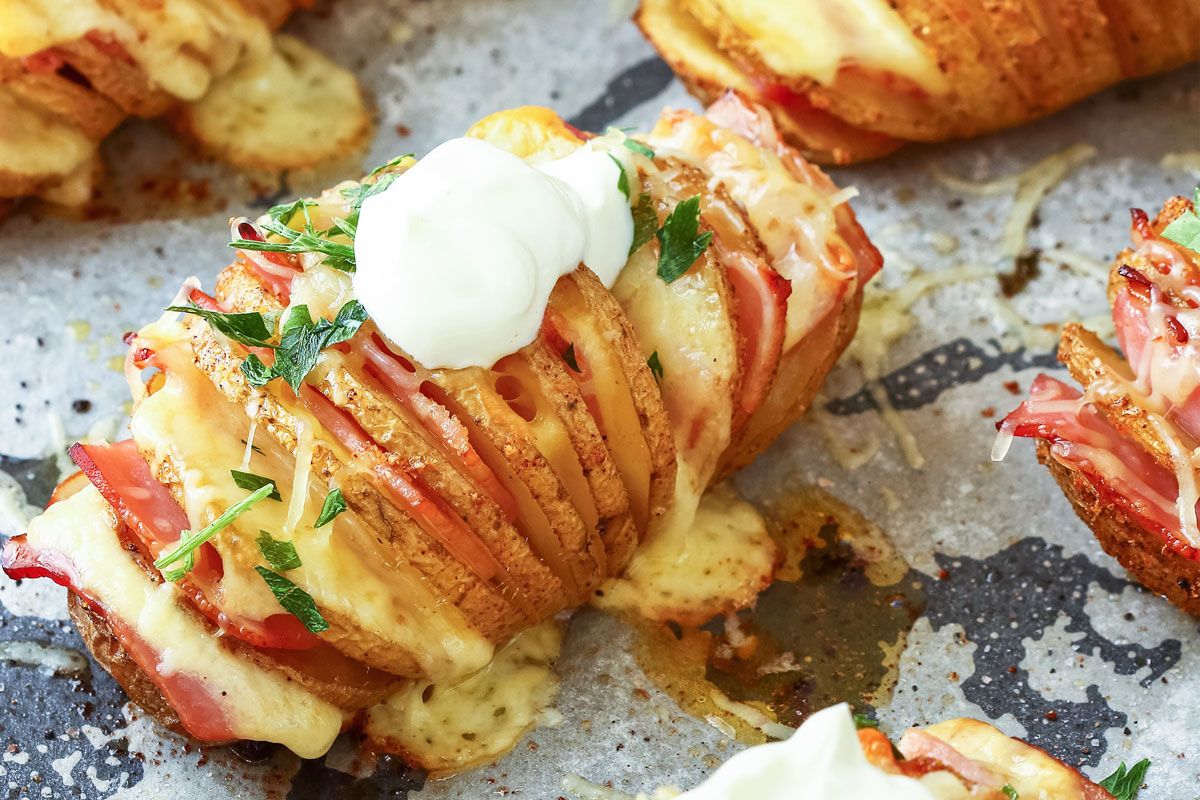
1025,623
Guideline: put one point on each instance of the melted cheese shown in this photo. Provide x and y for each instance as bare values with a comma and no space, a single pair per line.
447,727
1031,772
816,39
180,44
35,144
709,555
260,705
388,600
795,220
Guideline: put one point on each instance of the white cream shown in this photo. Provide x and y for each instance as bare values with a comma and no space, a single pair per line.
821,761
457,258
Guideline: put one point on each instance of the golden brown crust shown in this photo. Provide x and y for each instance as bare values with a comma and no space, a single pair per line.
1003,63
1138,550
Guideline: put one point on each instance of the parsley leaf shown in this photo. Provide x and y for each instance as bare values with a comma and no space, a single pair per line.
1010,792
681,243
655,365
360,192
638,147
622,178
294,600
283,213
1185,229
188,541
863,721
301,343
251,328
334,505
279,554
337,254
1124,784
645,222
569,357
394,162
250,482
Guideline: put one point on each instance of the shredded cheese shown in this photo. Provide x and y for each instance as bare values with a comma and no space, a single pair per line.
1033,184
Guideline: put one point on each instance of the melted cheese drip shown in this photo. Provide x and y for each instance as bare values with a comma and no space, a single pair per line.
816,39
794,220
388,600
261,705
710,554
181,44
447,727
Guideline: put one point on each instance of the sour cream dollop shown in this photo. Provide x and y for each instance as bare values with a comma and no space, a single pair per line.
821,761
457,258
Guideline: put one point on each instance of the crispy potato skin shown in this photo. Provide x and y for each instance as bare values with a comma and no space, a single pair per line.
109,653
1138,550
1003,64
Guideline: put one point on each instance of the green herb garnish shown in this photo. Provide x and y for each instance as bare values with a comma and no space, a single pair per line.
188,542
1010,792
1185,229
294,600
334,505
569,357
281,555
638,147
645,222
863,721
301,343
622,178
250,482
681,241
251,329
337,254
655,365
1124,784
356,195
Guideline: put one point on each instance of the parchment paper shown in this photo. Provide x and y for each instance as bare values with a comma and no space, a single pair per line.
1026,586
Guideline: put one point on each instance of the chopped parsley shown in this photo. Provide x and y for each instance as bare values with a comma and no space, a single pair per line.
1010,792
863,721
337,255
655,365
645,222
301,343
1124,784
188,541
281,555
250,482
681,241
294,600
638,147
1185,229
569,357
622,178
251,328
334,505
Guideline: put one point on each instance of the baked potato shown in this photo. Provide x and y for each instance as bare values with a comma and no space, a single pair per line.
404,521
848,81
1121,449
69,76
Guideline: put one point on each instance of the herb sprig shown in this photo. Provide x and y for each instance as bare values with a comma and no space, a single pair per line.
188,542
1185,229
250,328
301,343
681,241
294,600
249,481
1124,783
280,554
645,222
334,504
